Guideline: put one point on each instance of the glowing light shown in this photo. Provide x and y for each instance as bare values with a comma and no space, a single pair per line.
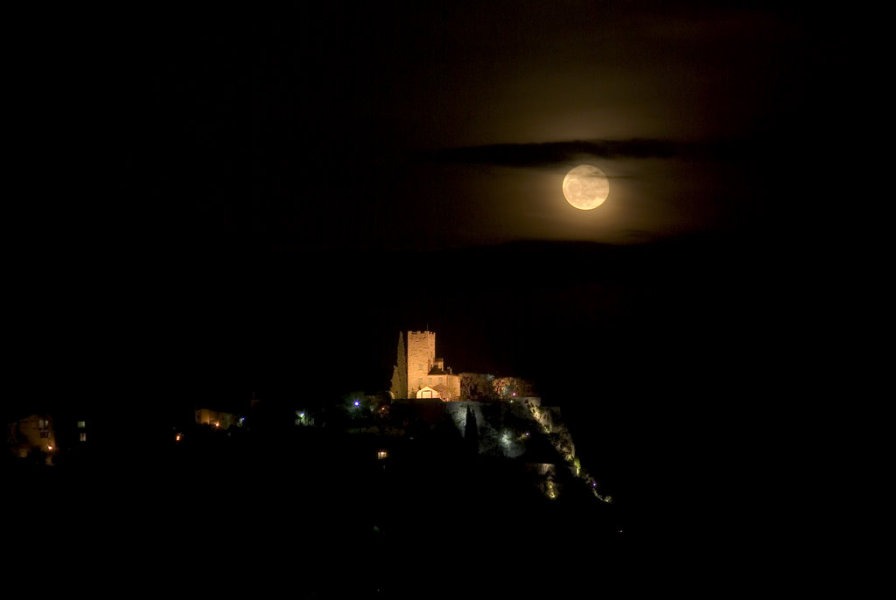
382,454
50,447
357,403
586,187
178,437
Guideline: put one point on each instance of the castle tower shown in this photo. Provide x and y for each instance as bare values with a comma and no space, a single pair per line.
421,355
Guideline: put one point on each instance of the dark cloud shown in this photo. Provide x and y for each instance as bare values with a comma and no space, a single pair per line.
558,153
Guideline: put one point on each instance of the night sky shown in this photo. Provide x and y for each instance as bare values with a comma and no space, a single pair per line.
220,202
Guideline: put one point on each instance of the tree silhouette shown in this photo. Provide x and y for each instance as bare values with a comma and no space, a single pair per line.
471,431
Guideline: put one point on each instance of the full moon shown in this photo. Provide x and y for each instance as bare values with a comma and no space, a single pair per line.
586,187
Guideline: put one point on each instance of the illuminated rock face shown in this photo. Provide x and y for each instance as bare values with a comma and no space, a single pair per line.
506,429
524,430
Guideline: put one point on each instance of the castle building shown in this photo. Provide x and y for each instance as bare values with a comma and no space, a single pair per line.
418,373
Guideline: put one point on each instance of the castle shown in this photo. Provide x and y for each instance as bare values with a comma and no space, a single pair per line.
418,373
501,415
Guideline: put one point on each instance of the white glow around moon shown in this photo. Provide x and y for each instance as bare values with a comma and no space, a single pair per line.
586,187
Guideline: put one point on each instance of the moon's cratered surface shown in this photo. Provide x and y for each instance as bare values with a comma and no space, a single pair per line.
586,187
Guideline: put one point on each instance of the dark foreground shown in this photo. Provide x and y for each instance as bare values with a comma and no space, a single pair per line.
314,515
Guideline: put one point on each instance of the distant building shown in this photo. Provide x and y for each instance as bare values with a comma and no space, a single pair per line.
32,435
219,419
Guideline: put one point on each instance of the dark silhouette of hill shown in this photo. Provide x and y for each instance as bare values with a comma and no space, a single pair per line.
667,359
314,510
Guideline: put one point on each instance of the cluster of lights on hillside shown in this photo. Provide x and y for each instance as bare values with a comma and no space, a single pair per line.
542,417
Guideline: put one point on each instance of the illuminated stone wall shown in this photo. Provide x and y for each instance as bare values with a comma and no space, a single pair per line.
422,368
428,392
448,385
421,352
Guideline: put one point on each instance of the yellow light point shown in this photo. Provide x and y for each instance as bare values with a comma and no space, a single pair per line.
178,437
50,447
